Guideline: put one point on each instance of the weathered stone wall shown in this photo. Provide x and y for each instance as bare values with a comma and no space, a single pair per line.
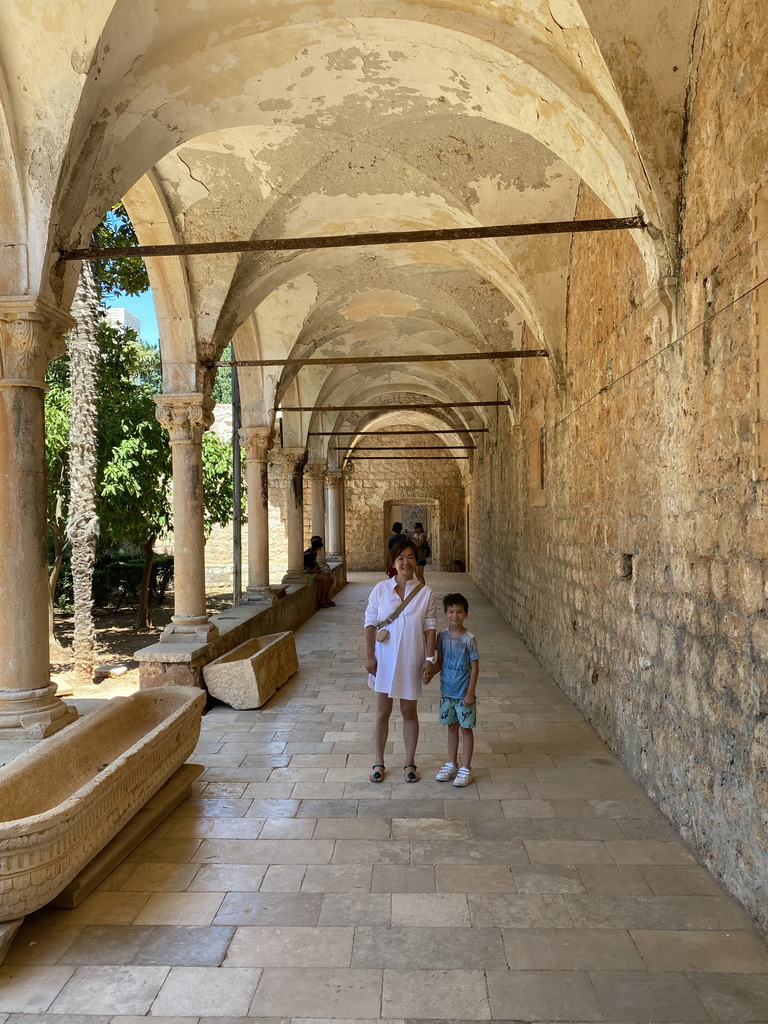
639,575
369,487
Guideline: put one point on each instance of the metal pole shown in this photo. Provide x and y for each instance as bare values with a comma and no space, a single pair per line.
237,512
342,241
362,360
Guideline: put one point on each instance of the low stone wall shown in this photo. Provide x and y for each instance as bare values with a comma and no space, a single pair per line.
181,664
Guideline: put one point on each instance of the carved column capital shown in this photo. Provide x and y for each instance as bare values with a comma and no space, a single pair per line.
31,334
316,469
290,459
255,442
185,417
334,477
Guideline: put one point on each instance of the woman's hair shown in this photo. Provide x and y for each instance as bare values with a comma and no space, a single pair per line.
400,547
316,541
418,526
397,527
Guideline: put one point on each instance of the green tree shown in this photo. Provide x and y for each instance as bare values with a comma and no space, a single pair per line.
119,277
133,475
133,486
222,386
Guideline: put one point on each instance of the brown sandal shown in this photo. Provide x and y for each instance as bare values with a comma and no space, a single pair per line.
377,776
411,776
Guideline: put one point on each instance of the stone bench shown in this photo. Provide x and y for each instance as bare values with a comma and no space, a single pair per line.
247,676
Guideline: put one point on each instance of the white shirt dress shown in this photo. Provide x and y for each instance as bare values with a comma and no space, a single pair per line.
401,658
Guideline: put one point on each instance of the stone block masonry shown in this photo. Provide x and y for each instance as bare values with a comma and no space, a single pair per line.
641,579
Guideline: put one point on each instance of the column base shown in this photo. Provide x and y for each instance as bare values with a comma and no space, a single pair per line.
263,595
195,629
295,576
33,714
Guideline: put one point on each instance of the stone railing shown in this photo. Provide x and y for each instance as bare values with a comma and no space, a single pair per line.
181,664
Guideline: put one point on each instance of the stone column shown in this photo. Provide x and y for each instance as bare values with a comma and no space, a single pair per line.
31,334
255,442
335,478
186,417
291,461
316,472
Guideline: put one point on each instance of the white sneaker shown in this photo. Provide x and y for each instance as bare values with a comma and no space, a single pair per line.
447,772
464,777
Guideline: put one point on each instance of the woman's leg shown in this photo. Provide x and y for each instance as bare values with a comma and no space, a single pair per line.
408,709
467,747
381,726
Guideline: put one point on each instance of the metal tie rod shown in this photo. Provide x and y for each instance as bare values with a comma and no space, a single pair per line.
360,360
416,433
368,238
407,458
391,408
407,448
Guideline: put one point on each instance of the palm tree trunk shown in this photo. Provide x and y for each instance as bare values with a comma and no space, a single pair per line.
83,524
57,529
145,612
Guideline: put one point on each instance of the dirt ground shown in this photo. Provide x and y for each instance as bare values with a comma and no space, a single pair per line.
118,637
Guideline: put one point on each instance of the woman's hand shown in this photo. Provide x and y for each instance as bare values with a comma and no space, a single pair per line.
371,664
427,672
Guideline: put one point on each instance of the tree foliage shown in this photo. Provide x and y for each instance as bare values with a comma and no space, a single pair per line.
119,277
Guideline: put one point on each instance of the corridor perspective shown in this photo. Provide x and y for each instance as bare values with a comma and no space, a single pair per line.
290,889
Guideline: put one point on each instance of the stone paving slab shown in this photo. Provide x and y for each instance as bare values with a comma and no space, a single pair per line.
289,890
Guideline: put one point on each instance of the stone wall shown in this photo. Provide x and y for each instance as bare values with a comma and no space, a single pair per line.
638,574
369,487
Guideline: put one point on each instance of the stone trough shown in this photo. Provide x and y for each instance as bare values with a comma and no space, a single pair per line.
247,676
64,800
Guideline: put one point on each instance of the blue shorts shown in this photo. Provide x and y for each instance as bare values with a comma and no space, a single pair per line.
452,710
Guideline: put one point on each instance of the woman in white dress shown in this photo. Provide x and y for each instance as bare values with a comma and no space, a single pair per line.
398,666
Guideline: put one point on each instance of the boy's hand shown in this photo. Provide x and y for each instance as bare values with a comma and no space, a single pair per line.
468,700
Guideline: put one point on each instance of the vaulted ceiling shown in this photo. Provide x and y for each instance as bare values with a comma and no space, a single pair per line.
230,119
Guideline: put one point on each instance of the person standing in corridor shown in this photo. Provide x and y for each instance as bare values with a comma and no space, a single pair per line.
400,629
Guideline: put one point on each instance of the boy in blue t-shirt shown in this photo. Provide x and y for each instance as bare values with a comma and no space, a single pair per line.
459,665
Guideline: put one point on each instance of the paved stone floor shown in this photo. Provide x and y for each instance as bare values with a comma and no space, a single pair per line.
290,889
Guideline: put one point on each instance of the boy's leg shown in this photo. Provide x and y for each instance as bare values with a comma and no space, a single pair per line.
453,742
467,746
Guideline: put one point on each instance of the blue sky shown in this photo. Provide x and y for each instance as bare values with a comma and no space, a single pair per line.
142,306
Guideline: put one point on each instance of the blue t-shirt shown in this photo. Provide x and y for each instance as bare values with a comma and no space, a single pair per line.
458,652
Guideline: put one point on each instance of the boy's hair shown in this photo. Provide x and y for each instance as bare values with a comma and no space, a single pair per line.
397,527
451,599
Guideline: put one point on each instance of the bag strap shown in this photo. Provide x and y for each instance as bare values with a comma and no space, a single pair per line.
401,606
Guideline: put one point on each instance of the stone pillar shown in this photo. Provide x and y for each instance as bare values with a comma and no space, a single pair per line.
335,479
316,472
31,334
291,461
255,442
343,518
186,417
